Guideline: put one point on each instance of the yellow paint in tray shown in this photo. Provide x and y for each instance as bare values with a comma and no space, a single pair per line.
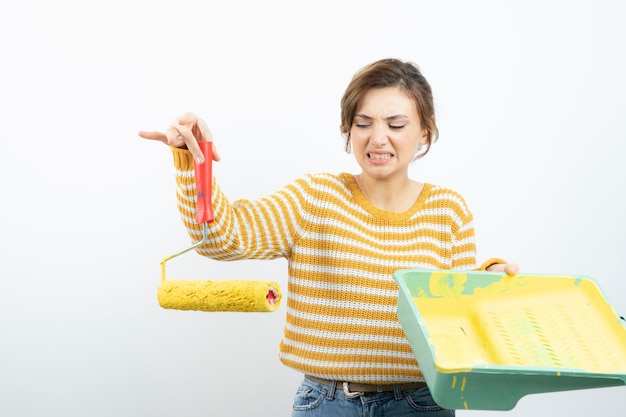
530,321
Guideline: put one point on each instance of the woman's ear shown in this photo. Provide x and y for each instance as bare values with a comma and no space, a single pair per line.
424,138
347,144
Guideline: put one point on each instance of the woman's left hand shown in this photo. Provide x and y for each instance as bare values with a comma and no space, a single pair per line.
510,269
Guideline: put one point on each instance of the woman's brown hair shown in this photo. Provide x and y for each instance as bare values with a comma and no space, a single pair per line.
390,73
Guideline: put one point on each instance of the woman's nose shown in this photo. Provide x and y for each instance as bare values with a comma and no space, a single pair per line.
379,135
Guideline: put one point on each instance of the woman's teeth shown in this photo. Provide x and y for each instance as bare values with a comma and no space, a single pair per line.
379,156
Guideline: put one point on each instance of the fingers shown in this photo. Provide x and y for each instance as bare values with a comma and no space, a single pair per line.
188,119
160,136
216,156
206,134
510,269
170,137
185,131
194,129
201,128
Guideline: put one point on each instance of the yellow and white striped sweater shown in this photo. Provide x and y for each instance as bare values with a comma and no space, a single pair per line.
341,318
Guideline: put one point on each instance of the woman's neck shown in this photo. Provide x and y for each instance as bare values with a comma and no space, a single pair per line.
394,195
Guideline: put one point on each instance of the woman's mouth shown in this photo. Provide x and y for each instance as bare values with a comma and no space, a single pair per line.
379,156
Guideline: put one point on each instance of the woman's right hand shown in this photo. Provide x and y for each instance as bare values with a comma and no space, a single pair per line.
185,132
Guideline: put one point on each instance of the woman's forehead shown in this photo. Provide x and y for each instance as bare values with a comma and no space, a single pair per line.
386,102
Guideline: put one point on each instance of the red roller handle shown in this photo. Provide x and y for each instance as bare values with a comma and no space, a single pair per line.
204,184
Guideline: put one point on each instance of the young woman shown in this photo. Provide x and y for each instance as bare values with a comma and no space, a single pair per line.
344,235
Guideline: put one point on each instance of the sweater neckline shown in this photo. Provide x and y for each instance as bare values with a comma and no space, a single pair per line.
360,198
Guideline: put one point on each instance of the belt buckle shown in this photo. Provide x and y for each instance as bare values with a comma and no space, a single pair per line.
349,394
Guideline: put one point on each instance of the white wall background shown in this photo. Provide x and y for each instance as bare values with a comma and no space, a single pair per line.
530,99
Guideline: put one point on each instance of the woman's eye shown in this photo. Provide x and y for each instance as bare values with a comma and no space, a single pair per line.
396,127
361,125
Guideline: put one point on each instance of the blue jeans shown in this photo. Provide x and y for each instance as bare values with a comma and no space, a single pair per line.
318,400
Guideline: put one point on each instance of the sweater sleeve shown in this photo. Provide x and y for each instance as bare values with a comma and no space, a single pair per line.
464,244
489,262
463,241
244,229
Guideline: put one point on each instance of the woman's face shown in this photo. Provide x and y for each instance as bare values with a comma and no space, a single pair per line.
386,132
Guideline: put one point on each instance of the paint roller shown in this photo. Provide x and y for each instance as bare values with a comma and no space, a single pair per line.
209,295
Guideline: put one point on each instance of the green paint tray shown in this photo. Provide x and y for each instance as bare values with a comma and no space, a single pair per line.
484,340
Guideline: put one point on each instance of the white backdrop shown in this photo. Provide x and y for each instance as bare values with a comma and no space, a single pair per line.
530,102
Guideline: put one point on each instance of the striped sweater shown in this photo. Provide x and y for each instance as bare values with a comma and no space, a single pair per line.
341,320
